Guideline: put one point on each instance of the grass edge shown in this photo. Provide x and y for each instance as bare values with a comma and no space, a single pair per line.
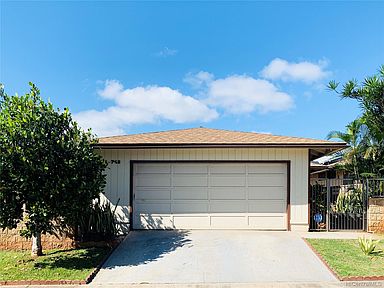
85,281
340,278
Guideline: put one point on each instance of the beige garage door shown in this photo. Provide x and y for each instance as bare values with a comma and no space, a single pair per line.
210,196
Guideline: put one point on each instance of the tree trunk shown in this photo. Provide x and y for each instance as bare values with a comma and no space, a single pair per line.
37,249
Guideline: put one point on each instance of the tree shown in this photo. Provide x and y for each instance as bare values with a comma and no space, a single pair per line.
370,95
49,170
353,138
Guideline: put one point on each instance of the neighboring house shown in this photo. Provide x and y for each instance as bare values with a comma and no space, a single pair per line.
325,166
203,178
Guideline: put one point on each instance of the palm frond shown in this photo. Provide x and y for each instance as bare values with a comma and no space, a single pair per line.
339,135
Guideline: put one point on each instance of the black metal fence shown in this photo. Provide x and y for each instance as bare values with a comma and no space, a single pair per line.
339,204
375,188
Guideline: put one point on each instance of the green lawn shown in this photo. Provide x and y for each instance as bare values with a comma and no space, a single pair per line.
73,264
346,258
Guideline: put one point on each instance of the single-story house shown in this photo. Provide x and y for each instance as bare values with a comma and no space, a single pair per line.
203,178
326,166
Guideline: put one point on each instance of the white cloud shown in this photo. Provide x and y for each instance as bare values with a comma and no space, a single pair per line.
111,90
142,105
243,94
199,79
309,72
235,94
166,52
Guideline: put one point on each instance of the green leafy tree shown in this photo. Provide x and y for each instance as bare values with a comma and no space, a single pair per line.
353,137
49,170
370,95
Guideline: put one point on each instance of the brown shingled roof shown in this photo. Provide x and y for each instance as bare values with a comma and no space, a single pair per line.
211,137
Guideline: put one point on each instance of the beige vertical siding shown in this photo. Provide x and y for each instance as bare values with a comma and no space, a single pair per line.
118,175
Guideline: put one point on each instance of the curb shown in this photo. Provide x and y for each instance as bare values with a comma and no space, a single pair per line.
346,278
42,282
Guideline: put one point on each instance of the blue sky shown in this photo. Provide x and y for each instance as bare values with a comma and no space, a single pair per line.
131,67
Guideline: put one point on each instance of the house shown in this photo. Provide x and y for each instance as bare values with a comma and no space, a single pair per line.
325,167
203,178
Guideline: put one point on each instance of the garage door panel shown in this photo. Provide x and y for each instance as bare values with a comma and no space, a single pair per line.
153,208
262,193
190,207
227,181
266,180
227,206
268,222
190,169
190,180
267,168
229,222
191,222
153,194
153,180
190,193
267,206
227,193
227,169
153,168
150,221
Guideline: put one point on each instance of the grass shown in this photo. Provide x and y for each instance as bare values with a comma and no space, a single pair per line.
74,264
346,258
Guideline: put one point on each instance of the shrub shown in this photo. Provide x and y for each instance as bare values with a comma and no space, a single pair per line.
368,246
99,223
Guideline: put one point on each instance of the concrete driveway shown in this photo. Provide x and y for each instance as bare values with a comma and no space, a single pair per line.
212,257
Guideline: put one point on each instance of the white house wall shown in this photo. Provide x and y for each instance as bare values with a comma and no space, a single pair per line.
118,175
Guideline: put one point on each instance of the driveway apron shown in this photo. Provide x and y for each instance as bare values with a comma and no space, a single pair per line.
219,256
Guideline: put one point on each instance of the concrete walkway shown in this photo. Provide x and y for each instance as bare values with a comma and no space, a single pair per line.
224,256
339,235
248,285
365,284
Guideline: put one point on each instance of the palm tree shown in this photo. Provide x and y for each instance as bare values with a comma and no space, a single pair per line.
353,137
369,93
372,148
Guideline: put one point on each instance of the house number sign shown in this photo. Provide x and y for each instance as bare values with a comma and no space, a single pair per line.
115,161
318,217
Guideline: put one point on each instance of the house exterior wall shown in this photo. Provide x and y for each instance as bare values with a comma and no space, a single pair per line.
118,173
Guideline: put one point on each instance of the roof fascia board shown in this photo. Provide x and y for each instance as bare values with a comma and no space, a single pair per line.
266,145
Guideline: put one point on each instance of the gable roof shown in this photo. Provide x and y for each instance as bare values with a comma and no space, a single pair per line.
202,137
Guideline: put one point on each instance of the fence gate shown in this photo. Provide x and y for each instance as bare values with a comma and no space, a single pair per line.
338,204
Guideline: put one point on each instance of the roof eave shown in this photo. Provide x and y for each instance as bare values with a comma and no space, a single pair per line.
332,146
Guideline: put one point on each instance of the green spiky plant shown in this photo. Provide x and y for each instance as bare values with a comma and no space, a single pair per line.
350,201
368,246
99,223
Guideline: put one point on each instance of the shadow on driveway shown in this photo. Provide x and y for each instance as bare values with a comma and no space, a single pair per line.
142,247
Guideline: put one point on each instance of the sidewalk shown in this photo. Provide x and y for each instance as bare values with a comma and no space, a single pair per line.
222,285
339,235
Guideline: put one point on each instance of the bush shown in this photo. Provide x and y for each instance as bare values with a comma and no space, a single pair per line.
96,223
99,223
368,246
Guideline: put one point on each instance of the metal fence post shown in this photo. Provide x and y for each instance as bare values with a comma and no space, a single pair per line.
366,204
328,202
